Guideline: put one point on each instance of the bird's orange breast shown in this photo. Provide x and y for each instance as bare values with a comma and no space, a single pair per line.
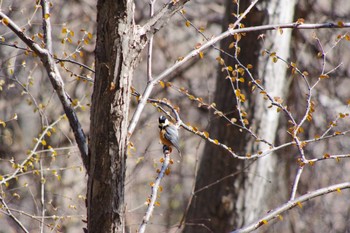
163,139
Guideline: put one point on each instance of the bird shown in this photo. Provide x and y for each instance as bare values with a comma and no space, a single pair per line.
169,135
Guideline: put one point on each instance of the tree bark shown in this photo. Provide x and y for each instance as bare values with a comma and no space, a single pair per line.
115,59
241,198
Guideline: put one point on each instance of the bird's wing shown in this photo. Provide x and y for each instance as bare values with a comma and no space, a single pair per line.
174,139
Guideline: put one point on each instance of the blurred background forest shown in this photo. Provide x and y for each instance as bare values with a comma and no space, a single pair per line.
53,182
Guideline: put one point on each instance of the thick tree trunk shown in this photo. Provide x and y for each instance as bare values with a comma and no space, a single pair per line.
109,116
240,199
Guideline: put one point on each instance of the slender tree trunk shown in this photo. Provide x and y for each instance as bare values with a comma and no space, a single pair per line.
109,116
240,199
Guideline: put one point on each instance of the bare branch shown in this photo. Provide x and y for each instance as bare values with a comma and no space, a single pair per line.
150,45
296,182
76,63
48,44
291,204
45,5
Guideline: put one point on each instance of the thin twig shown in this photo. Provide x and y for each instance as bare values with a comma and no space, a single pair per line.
296,182
48,44
42,194
76,63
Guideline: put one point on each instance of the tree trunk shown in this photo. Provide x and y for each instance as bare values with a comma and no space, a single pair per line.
240,199
109,116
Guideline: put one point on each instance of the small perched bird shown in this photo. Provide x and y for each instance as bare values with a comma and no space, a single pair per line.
169,136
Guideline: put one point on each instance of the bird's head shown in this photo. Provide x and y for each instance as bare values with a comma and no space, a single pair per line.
163,122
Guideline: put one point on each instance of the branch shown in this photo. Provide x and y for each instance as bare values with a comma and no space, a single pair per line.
160,19
48,44
291,204
46,24
76,63
178,121
56,81
150,45
296,182
155,187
